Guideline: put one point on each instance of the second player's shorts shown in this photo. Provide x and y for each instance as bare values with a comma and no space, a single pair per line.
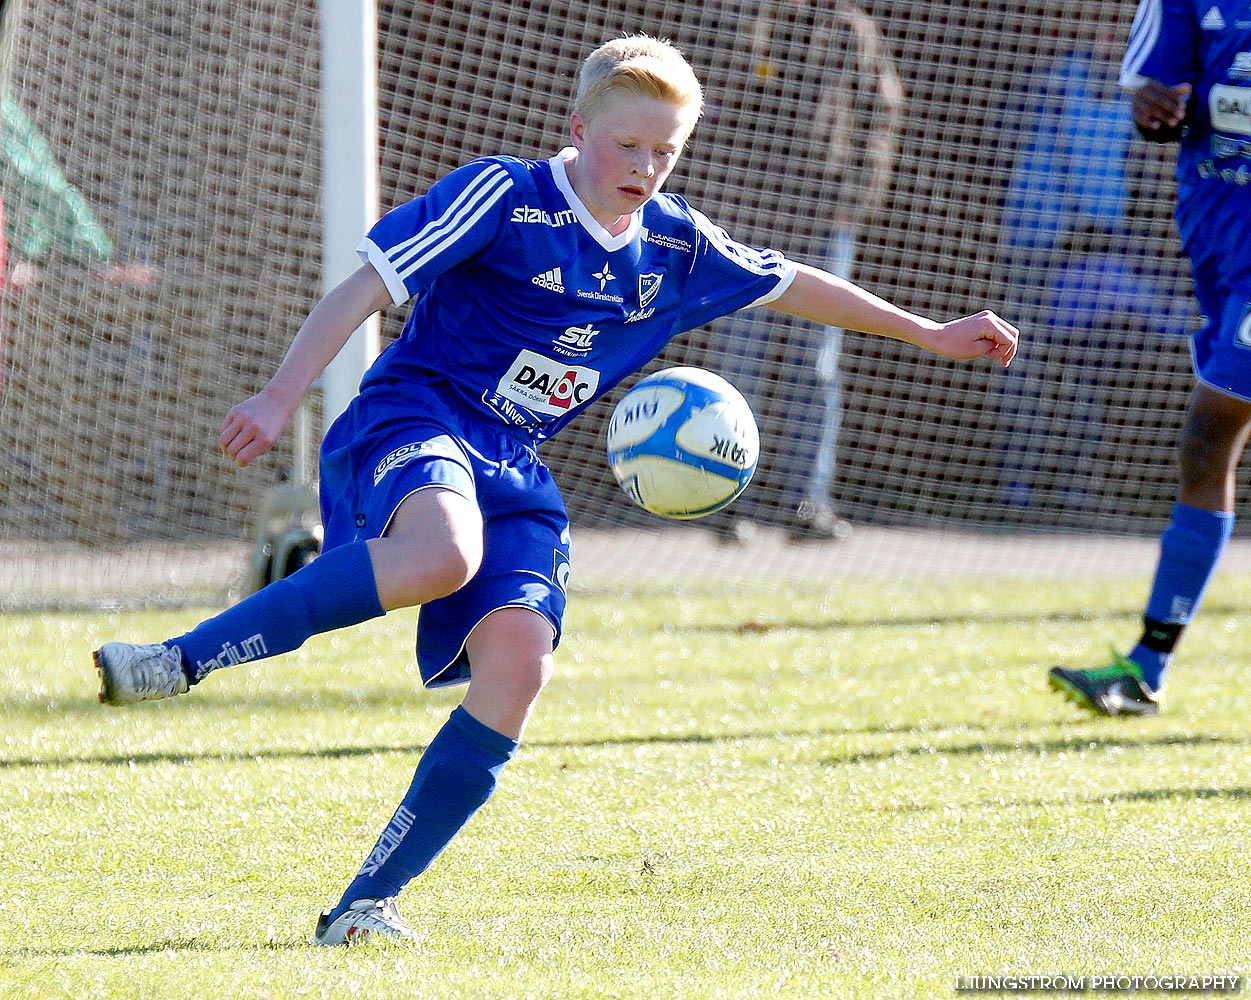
1221,349
1215,224
383,449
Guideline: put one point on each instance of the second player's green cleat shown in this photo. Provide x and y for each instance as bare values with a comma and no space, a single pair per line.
1117,689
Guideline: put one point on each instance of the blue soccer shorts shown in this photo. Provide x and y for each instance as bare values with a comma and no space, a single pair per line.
1221,349
1218,243
382,450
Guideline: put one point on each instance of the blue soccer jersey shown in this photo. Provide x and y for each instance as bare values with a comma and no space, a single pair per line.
1207,44
525,309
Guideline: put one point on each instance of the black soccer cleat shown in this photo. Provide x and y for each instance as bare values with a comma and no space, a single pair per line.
1117,689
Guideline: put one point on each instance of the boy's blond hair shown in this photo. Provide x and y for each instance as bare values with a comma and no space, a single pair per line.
642,65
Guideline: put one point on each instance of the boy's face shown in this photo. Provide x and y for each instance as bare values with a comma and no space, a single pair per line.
626,152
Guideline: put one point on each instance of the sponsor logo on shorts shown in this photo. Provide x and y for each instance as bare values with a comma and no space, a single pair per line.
399,458
1244,328
560,569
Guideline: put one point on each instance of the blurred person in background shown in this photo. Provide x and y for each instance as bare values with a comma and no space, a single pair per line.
47,217
44,219
821,110
1065,236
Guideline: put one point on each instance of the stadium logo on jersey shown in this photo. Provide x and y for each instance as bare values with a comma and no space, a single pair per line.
528,215
1230,108
551,280
668,242
546,386
1212,20
576,339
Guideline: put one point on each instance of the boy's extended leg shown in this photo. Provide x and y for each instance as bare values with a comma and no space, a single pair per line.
434,547
456,776
335,590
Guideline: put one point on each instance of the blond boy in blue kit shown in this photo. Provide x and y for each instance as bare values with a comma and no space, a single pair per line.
536,286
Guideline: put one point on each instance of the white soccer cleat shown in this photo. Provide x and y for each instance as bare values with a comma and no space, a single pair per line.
362,918
130,673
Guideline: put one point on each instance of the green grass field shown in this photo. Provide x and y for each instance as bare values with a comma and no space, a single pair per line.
853,790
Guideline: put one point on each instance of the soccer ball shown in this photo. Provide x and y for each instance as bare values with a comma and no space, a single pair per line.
683,443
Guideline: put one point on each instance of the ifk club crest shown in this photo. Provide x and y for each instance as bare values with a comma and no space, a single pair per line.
649,285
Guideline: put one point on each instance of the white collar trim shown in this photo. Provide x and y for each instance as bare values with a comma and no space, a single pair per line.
602,236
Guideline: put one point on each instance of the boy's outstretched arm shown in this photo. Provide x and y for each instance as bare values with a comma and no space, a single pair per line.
823,298
251,427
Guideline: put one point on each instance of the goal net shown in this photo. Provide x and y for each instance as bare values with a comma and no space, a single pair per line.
161,190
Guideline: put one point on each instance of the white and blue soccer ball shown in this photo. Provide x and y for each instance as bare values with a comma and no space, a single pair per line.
683,443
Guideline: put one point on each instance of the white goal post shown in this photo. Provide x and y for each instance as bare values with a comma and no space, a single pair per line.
349,89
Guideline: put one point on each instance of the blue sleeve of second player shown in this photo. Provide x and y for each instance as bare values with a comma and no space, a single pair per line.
1163,45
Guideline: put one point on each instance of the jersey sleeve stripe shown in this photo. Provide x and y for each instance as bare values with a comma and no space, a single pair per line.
470,190
1143,36
776,292
748,258
472,203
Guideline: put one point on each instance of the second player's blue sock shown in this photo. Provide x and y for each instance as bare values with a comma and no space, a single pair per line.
456,775
335,590
1190,548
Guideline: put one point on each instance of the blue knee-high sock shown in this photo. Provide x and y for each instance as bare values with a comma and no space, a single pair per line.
335,590
455,776
1190,548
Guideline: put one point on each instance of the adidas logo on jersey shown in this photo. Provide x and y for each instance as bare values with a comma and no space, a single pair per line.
551,280
1212,20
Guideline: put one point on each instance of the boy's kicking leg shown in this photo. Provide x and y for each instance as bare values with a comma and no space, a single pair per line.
435,550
